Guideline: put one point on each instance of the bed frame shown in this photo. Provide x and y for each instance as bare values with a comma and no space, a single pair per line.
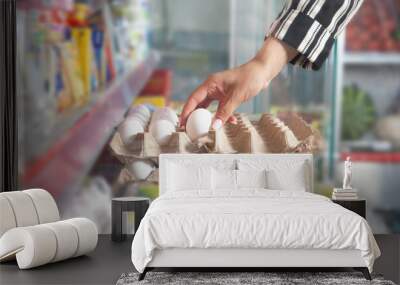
242,259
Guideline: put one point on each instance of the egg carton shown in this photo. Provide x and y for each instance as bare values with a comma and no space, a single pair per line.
144,145
270,134
126,177
311,141
267,135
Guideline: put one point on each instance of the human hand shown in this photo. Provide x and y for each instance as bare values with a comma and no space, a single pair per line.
235,86
230,88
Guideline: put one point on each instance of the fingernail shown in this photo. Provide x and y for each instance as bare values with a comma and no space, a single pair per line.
217,124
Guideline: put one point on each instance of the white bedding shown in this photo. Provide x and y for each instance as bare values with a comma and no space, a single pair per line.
252,218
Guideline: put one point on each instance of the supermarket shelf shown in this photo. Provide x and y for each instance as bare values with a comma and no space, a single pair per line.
68,160
372,157
370,58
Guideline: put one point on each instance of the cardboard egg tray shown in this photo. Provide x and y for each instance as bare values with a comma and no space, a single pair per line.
126,177
144,145
269,134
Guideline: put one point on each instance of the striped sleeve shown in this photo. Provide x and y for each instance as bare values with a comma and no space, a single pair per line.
311,27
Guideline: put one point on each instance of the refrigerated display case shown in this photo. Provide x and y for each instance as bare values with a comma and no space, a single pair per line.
368,108
80,65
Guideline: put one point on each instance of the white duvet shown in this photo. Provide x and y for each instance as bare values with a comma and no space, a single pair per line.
250,219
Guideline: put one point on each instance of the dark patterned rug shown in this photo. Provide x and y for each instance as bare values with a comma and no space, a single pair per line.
231,278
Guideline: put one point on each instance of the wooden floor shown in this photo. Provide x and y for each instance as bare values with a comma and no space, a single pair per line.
110,260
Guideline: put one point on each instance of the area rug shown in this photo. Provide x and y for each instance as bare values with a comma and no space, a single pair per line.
243,278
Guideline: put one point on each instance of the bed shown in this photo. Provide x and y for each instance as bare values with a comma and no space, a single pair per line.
245,210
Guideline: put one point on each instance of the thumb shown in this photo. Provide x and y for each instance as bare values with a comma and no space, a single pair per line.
224,112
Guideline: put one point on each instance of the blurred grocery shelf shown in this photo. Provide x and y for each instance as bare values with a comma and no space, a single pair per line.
85,133
367,108
372,157
369,58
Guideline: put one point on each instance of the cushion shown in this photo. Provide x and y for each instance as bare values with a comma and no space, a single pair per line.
45,206
27,208
170,178
282,174
251,178
224,179
292,181
7,218
87,232
32,246
183,177
67,239
23,208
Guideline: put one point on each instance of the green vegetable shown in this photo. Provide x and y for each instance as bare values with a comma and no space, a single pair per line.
149,190
358,113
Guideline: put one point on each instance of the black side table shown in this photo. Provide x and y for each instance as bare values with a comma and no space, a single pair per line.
127,212
357,206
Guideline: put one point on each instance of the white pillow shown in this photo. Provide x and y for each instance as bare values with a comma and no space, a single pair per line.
224,179
251,178
184,177
294,180
282,174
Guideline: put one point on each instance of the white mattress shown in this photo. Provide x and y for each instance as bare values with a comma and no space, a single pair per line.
251,219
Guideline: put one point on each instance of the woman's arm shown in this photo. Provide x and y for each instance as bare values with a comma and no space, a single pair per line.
311,27
234,86
303,34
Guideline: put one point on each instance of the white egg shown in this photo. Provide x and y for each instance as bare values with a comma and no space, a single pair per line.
198,124
165,114
162,130
141,169
141,118
142,113
129,128
151,107
140,110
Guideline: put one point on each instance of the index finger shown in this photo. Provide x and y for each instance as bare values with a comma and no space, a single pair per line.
198,96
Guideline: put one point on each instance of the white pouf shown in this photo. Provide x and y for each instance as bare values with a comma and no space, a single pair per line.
40,244
30,230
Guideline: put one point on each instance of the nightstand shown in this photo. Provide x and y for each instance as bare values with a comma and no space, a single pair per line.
127,213
357,206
